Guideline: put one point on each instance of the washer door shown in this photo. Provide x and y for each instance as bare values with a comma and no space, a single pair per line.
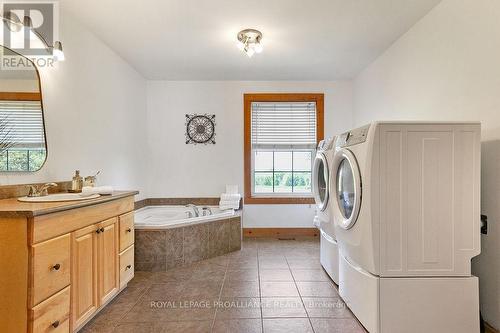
321,181
347,187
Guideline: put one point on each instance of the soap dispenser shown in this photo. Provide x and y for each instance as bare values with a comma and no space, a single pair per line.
77,182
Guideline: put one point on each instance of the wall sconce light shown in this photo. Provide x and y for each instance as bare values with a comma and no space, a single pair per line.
14,24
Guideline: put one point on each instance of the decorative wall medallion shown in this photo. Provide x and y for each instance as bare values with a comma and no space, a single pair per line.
200,128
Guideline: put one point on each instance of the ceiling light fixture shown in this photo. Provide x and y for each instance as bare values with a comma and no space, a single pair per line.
250,41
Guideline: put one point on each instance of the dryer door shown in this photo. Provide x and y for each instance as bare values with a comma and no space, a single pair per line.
321,181
347,187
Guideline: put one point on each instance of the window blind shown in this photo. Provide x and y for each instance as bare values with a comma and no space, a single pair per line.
24,123
283,125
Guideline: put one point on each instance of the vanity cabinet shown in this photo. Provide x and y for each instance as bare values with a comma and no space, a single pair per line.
84,274
126,257
66,262
51,267
107,259
95,278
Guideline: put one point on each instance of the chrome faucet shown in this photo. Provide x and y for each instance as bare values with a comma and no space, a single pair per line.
40,190
206,208
195,209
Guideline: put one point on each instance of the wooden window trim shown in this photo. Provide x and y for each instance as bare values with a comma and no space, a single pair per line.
247,109
20,96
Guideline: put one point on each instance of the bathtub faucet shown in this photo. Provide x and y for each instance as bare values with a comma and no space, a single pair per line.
195,209
205,209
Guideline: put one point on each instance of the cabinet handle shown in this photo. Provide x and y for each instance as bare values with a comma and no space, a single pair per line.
128,267
98,231
55,324
129,230
102,229
56,267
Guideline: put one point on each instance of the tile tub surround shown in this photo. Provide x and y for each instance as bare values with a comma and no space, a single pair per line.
164,249
226,295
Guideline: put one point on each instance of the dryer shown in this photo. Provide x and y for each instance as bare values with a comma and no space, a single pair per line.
406,214
329,252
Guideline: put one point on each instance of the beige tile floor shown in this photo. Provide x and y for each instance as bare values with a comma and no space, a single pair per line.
269,286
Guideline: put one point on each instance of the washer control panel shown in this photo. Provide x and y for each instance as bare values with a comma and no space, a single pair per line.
353,137
326,144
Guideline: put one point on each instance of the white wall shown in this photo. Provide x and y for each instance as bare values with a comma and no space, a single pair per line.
7,85
179,170
447,67
95,114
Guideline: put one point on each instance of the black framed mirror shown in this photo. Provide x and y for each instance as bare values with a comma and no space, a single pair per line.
23,144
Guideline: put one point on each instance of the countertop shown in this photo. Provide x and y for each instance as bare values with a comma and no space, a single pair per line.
14,208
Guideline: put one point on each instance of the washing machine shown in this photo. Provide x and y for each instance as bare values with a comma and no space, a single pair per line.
406,210
329,252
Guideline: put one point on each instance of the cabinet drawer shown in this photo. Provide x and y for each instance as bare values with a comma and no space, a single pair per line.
126,230
126,266
48,226
52,315
50,267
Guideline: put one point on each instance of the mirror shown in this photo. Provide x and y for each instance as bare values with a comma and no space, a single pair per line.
23,146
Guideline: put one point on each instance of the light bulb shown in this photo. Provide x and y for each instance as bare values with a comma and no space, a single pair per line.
258,47
240,46
57,51
250,52
58,55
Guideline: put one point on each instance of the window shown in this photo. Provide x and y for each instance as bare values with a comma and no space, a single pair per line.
22,135
282,172
281,134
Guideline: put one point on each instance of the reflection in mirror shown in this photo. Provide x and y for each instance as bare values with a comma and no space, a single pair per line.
22,132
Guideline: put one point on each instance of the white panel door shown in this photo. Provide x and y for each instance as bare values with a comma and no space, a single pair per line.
429,199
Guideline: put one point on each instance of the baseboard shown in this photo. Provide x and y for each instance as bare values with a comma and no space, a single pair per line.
489,328
280,232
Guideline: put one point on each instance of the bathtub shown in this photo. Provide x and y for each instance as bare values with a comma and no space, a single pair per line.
168,237
165,217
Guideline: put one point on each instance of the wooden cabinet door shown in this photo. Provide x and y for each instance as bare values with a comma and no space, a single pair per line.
84,298
108,260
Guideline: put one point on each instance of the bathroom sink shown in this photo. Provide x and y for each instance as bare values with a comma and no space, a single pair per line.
58,197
